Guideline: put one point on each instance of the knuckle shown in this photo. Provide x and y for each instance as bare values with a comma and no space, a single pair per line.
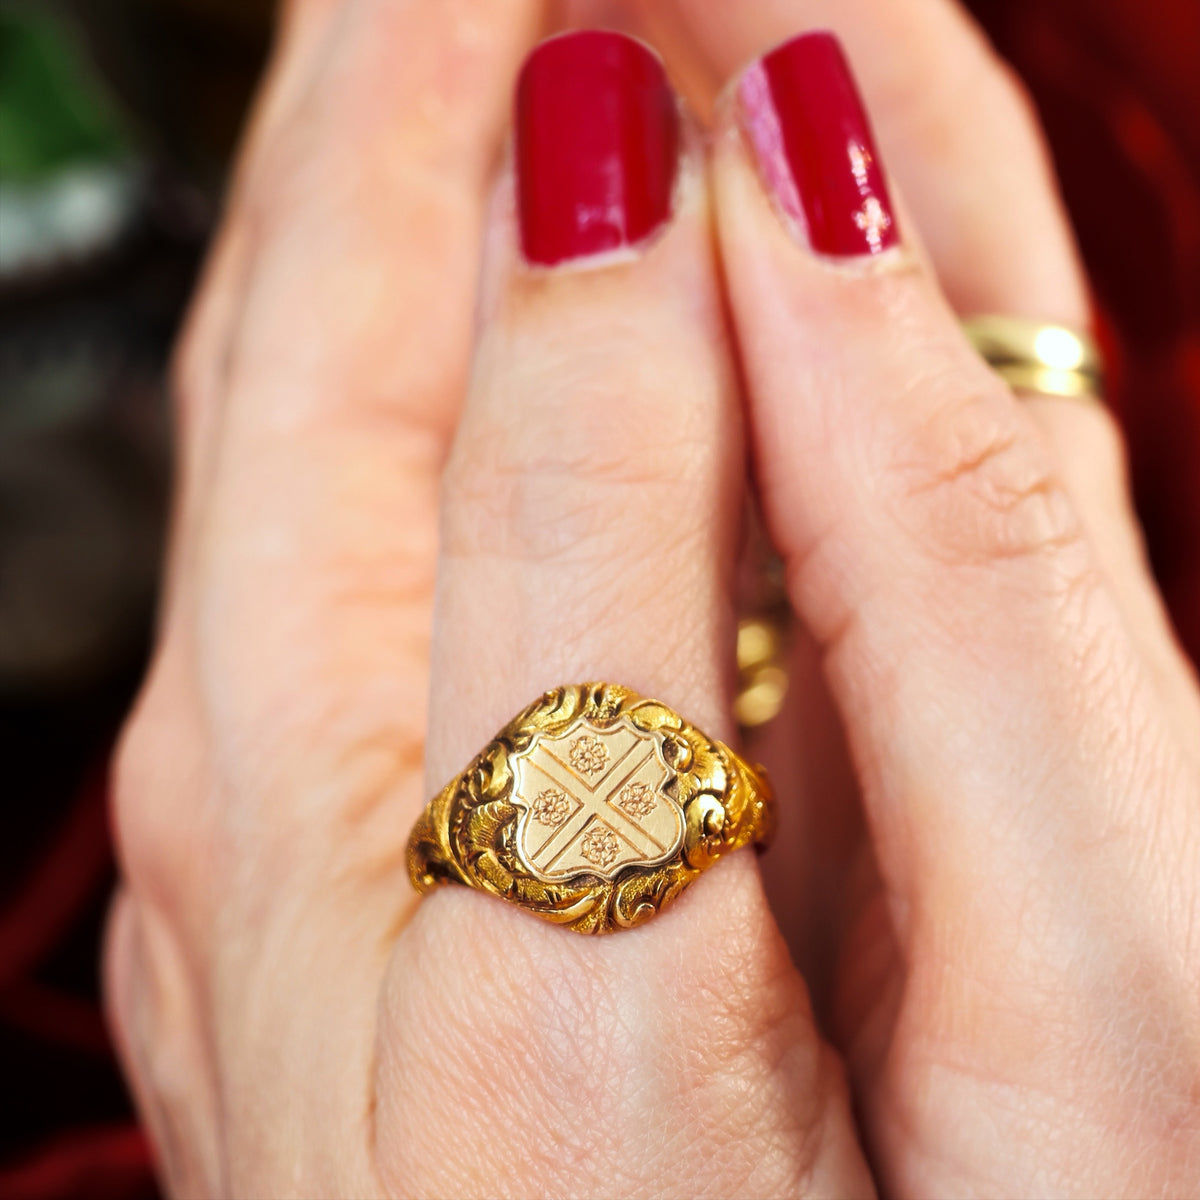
153,1002
575,487
199,361
1010,92
523,509
928,88
1098,448
324,162
119,963
154,833
283,176
301,169
976,485
139,836
331,230
1108,449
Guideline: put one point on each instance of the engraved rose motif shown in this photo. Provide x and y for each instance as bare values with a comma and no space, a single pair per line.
589,754
551,808
637,799
599,846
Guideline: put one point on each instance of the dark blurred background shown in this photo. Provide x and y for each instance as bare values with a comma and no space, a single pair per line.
117,121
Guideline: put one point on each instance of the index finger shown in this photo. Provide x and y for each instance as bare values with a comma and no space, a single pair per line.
955,124
961,137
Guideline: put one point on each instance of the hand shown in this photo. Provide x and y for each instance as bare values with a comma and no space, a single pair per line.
292,1021
1022,727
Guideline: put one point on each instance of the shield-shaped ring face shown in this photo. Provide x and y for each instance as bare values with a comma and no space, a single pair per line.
595,801
593,808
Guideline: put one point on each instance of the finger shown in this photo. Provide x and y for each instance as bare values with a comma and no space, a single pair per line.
307,32
294,660
995,702
589,524
962,138
201,363
349,360
956,128
318,42
363,135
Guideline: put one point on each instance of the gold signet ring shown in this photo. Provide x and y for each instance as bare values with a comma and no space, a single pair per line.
594,808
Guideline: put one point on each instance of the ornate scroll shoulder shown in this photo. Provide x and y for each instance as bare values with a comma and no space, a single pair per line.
594,808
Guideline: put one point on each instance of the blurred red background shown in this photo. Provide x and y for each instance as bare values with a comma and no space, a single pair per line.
1118,86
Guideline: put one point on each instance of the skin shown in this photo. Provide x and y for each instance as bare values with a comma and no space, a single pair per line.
989,886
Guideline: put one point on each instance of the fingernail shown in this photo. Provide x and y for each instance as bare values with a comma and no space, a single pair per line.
803,116
597,146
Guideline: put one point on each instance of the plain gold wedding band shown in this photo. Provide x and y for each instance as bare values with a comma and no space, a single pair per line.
1033,356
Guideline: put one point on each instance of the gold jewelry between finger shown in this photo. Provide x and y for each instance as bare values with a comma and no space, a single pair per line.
1033,356
594,808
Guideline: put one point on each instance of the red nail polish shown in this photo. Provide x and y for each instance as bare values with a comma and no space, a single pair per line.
805,119
597,146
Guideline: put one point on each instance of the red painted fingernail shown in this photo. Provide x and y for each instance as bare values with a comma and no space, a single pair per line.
805,119
597,146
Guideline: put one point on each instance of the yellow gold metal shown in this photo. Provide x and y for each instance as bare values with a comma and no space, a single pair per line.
1033,356
765,633
594,808
762,677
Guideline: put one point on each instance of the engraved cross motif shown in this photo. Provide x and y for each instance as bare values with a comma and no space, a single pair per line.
613,810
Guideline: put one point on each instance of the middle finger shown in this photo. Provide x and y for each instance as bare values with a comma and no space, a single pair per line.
589,525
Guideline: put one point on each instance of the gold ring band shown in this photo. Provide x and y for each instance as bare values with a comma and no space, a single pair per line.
1033,356
594,808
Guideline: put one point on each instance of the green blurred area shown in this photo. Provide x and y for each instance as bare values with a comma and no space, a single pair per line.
54,110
